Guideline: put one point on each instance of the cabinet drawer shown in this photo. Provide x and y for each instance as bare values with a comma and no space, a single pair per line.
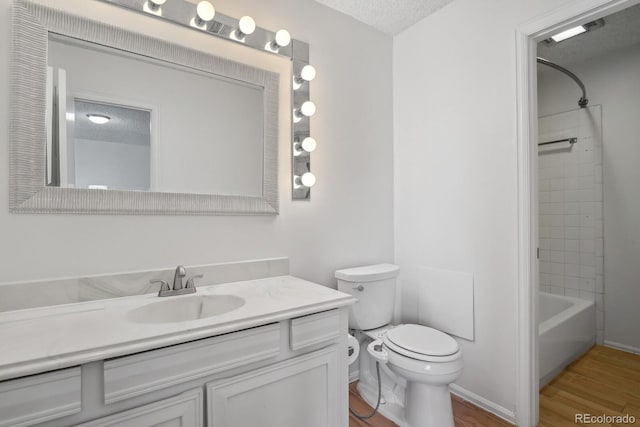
130,376
314,329
40,398
184,410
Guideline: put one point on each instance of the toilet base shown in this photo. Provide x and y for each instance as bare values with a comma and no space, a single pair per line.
428,405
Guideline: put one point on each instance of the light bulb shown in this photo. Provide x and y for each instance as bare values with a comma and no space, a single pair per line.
283,38
204,13
308,179
308,109
153,6
98,119
247,25
309,144
308,73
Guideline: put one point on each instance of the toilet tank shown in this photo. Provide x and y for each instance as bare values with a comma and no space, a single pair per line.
375,288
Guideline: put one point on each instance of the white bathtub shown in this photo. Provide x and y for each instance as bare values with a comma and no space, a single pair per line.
566,330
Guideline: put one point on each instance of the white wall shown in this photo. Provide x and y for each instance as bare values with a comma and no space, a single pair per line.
455,170
348,222
612,81
571,208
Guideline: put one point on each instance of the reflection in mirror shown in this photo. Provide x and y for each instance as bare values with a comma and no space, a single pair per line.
121,121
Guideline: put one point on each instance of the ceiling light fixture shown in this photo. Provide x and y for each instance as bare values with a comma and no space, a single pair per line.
99,119
574,31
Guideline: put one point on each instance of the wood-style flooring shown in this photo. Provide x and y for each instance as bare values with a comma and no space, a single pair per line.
465,414
602,381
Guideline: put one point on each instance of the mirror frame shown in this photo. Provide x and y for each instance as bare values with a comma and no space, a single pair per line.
31,25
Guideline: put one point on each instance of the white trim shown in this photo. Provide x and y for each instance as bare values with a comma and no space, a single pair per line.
483,403
622,347
576,12
354,376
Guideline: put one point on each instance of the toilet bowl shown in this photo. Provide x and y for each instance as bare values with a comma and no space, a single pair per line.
417,362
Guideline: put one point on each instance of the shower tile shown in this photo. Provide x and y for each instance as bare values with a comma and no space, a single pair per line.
572,232
587,208
556,290
587,285
586,232
572,292
587,245
556,256
588,272
545,279
572,270
556,232
587,259
599,302
545,267
571,220
572,245
557,280
572,257
571,283
599,266
545,288
556,244
599,247
557,268
545,244
600,284
571,208
589,296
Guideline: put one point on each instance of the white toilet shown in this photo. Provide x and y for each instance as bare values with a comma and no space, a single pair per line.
417,362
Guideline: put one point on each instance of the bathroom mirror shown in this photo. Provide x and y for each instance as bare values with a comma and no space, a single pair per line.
106,120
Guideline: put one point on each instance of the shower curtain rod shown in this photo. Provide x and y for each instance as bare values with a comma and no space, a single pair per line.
583,101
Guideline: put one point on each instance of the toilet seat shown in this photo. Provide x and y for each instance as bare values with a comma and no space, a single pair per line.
422,343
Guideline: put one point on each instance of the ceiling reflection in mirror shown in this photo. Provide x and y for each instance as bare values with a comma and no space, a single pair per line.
121,121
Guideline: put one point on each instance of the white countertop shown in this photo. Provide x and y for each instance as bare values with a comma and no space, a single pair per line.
47,338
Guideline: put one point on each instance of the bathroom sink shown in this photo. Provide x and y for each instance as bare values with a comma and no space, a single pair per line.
184,309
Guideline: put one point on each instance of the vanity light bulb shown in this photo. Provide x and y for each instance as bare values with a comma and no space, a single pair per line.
309,144
308,73
205,11
153,7
308,109
308,179
157,3
283,38
247,25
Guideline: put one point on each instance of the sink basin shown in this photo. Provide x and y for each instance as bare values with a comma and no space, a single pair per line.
185,309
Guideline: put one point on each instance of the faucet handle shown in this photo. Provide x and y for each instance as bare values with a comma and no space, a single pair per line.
191,280
164,285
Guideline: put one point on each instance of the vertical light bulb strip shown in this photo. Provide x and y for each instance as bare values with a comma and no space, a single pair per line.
303,142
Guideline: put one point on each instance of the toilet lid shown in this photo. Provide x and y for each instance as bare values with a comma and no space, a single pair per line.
423,340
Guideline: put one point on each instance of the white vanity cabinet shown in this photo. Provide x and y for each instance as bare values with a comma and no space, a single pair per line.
289,373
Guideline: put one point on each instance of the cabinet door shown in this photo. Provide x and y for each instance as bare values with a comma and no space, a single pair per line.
303,391
184,410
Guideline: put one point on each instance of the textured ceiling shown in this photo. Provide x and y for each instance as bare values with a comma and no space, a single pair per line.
389,16
127,125
621,30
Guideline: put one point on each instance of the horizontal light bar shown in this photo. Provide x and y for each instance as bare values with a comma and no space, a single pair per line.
571,32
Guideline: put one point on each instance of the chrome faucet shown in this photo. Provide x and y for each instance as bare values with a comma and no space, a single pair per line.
177,277
178,288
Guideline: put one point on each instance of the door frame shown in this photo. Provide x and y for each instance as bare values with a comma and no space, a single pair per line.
527,37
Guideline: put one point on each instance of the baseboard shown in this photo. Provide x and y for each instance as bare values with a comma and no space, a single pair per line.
483,403
354,375
623,347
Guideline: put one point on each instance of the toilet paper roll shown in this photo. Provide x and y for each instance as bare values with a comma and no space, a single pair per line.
354,348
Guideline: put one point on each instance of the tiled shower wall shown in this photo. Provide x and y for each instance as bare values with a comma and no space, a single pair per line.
570,208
